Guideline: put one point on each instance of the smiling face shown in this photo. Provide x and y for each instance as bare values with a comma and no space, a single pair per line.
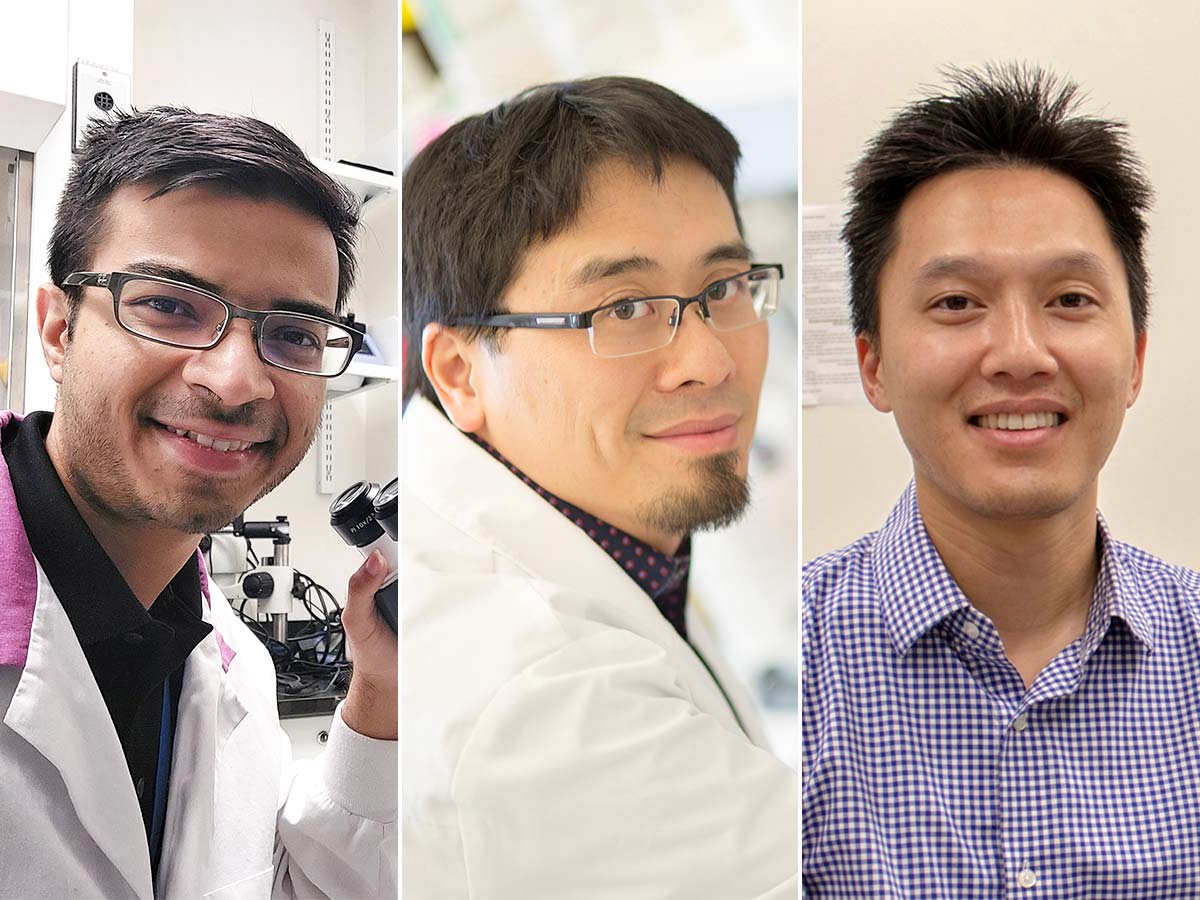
146,433
1006,346
657,443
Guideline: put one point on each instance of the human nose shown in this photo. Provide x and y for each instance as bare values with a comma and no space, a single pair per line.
1018,345
232,370
696,355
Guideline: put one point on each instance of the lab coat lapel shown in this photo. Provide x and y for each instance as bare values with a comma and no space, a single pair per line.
209,710
484,499
59,710
706,646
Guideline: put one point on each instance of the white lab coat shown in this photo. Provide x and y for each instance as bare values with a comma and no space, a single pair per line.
561,740
242,821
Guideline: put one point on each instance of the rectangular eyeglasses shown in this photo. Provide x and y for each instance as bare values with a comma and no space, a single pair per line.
643,324
182,315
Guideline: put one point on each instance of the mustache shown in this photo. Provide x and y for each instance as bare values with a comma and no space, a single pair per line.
695,407
255,415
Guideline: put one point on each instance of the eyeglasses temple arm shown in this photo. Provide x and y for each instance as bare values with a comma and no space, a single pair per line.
530,320
84,279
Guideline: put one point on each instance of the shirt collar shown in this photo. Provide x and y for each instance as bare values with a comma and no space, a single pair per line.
658,574
917,591
1118,595
98,601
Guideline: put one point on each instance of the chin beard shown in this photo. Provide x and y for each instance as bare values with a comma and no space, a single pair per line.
721,497
194,517
101,477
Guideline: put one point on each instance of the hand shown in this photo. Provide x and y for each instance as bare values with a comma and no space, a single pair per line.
372,701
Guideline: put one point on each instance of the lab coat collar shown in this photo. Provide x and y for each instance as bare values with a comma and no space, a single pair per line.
79,740
209,710
59,711
464,484
64,717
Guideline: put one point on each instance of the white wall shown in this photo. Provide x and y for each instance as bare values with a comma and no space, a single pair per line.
260,59
861,62
100,31
33,54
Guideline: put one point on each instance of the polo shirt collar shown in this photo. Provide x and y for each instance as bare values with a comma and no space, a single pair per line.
98,601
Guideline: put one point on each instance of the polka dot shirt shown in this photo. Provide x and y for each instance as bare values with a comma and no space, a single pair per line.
664,578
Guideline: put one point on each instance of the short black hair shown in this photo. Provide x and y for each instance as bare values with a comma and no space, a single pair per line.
173,147
494,184
998,116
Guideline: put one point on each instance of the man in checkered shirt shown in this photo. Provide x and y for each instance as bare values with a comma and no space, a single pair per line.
1000,698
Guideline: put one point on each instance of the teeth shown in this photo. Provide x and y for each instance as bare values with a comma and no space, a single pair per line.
1019,421
212,443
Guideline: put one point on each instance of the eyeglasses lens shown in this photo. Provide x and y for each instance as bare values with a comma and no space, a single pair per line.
634,326
305,345
743,301
168,313
639,326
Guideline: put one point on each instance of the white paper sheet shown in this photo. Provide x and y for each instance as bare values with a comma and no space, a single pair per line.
830,364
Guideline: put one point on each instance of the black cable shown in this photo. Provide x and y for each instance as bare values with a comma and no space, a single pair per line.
320,667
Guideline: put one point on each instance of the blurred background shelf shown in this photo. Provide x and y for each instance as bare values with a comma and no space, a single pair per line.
360,377
366,184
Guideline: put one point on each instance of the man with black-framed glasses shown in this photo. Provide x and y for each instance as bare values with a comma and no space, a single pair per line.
199,272
587,338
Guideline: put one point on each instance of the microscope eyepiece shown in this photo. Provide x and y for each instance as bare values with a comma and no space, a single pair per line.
387,509
352,514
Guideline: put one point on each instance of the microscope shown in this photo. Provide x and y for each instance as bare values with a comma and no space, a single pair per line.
272,585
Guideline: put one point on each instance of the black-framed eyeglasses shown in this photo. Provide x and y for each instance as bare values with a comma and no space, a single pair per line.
643,324
182,315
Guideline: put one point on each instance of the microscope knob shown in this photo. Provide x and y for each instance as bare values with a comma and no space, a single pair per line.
257,585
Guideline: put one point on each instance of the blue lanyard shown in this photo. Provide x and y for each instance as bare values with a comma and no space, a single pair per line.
163,773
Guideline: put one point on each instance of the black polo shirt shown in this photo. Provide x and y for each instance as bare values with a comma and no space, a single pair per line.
136,656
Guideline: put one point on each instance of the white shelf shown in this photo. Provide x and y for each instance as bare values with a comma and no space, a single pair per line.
364,183
373,375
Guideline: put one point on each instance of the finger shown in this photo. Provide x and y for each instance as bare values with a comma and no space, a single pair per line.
369,578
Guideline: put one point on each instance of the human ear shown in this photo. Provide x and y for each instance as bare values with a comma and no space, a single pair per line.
870,371
53,312
1139,368
449,363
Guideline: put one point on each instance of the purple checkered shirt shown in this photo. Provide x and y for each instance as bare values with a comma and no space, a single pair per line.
929,769
664,578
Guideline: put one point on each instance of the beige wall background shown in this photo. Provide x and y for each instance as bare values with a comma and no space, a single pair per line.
1137,63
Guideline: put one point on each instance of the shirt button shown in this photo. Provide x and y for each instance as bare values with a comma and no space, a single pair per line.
1018,725
971,630
1026,878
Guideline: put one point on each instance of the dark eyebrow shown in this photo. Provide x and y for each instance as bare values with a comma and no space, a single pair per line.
969,267
950,267
601,267
306,306
1082,261
175,273
735,251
